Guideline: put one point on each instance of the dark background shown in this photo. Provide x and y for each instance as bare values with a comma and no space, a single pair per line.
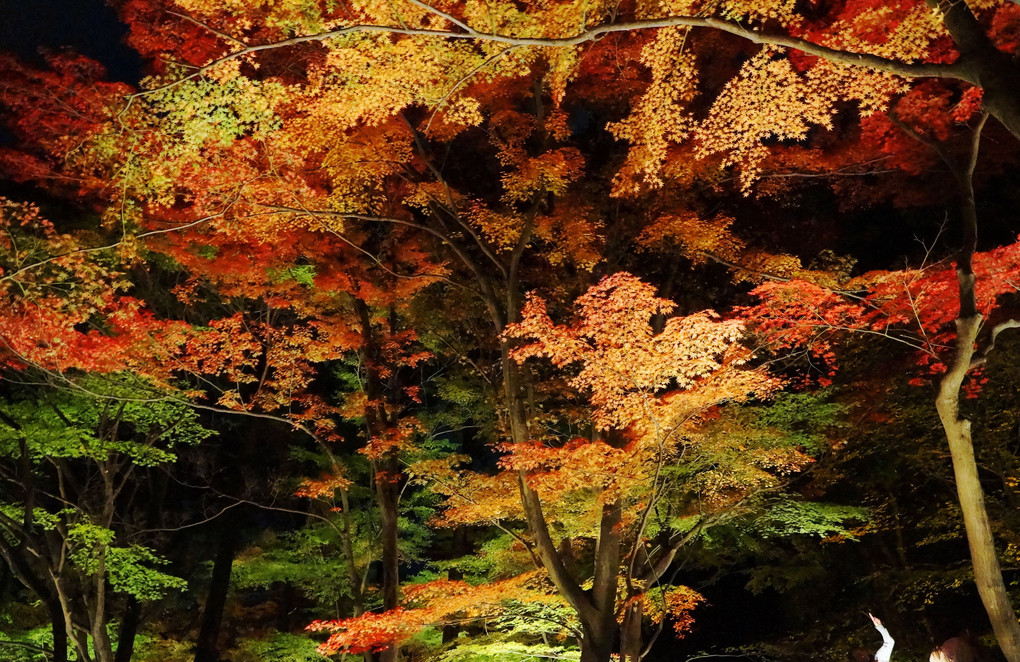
30,27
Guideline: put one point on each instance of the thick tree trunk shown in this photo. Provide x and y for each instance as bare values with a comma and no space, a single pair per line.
605,584
128,629
597,644
207,645
987,573
983,64
59,631
596,608
630,632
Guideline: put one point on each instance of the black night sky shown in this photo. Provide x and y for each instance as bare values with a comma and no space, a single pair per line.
89,27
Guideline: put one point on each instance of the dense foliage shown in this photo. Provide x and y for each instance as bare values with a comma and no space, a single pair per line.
496,330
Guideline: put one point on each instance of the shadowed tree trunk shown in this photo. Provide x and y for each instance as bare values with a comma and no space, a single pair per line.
59,631
128,629
207,645
387,473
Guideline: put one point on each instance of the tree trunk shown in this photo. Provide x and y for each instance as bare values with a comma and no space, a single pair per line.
386,495
59,630
387,473
128,629
99,620
973,43
987,573
101,644
984,65
595,608
630,631
597,644
207,645
606,580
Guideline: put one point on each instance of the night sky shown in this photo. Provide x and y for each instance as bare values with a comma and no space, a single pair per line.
85,26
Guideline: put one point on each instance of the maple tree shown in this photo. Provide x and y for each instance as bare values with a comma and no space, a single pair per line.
931,301
647,392
313,166
917,307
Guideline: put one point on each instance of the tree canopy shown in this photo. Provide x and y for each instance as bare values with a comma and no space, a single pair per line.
522,324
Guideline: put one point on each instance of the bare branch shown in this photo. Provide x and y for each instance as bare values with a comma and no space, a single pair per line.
982,357
32,647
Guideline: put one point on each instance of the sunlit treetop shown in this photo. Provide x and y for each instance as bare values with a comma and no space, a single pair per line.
301,117
297,154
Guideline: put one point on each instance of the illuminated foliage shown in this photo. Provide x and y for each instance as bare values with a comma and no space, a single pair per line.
292,180
916,307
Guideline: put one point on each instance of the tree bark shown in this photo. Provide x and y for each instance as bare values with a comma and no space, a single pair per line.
630,631
982,64
597,644
387,472
128,629
207,645
59,630
987,573
386,495
595,608
98,614
973,43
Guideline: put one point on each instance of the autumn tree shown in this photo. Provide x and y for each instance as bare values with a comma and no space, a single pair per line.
610,511
916,307
289,140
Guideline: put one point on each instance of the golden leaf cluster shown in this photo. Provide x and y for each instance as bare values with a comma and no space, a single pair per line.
767,100
693,235
628,370
676,602
659,118
574,235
